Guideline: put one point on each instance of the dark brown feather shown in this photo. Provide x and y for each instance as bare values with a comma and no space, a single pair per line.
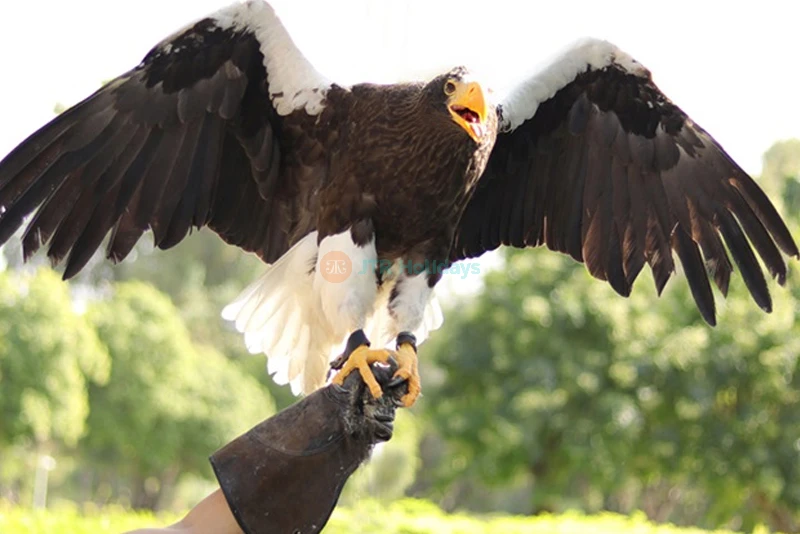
717,262
160,148
63,200
147,200
617,176
105,208
745,260
695,274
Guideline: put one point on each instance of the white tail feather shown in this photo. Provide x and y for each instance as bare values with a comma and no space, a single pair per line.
279,316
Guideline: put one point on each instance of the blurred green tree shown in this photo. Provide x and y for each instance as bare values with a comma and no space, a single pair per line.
168,402
393,466
523,389
201,275
48,352
781,173
719,405
607,403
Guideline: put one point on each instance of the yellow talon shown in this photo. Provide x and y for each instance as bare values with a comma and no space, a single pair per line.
360,359
408,370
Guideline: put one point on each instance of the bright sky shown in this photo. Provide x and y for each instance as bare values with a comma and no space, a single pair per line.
732,66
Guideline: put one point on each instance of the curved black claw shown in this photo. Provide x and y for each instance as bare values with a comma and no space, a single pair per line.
396,381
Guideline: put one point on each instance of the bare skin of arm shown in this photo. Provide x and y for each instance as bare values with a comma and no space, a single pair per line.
211,516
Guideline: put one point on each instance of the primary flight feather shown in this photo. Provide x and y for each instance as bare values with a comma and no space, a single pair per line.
359,197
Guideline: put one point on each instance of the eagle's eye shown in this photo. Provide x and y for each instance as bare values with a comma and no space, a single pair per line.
449,87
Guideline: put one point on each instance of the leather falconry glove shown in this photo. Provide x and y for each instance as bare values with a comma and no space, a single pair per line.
285,475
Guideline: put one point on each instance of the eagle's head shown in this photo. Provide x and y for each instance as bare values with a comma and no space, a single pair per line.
465,101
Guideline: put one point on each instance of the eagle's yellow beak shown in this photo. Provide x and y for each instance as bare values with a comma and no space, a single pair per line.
467,105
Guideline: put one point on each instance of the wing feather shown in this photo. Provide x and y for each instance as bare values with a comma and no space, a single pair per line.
190,137
612,173
201,174
63,200
759,237
149,197
101,208
718,264
745,259
695,272
534,215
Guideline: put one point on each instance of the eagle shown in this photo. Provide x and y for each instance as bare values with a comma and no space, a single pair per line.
358,198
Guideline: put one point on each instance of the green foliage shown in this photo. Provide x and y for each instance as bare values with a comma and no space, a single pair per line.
48,352
781,174
525,375
201,275
112,519
393,466
168,402
410,516
599,401
367,517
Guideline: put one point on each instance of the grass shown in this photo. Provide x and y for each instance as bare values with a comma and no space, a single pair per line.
407,516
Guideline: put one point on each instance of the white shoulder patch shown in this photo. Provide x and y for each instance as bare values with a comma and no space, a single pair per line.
294,83
521,103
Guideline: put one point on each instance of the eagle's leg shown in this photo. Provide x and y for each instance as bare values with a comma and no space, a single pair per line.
358,356
347,285
407,306
408,367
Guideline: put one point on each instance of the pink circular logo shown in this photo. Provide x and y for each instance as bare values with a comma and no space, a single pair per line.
335,266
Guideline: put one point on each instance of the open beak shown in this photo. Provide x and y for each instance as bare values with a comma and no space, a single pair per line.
468,107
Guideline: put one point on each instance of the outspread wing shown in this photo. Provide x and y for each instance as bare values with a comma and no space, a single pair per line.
190,137
594,161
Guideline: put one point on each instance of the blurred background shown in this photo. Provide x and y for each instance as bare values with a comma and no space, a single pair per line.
544,391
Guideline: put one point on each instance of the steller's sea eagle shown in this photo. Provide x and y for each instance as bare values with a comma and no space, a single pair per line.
359,197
